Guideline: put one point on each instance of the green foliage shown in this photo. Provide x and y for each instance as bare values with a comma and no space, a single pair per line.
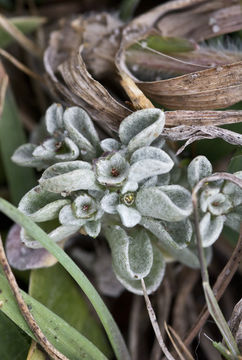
54,288
11,136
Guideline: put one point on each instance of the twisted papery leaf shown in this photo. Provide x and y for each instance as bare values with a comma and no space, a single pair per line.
168,202
41,205
141,128
134,258
68,176
199,168
210,228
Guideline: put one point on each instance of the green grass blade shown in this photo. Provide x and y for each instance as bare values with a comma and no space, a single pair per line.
19,179
65,338
106,318
26,24
56,289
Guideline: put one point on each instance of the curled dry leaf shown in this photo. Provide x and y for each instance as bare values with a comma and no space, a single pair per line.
194,133
95,46
23,258
201,21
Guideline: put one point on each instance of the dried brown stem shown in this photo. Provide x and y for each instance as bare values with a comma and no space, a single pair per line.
154,323
43,341
21,66
25,42
219,288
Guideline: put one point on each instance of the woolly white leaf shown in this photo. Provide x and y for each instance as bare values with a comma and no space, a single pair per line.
109,145
129,186
93,228
110,202
233,219
168,202
60,233
41,205
68,176
132,254
67,217
129,216
112,171
211,228
219,204
199,168
170,244
57,151
141,128
81,130
84,206
206,195
233,190
54,119
23,156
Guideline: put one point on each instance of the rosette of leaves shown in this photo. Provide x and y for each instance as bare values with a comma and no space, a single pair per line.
220,202
70,136
125,190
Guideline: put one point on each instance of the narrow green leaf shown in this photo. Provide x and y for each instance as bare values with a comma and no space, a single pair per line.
26,24
236,163
164,44
127,9
14,343
38,234
55,289
20,180
65,338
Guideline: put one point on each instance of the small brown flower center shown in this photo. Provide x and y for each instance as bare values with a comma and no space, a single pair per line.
85,207
114,172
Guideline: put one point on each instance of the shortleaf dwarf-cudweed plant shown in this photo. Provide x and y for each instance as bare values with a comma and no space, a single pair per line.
127,190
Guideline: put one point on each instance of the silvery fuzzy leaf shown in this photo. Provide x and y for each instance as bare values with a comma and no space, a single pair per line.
41,205
67,217
57,151
174,235
60,233
112,171
84,206
132,254
152,280
206,195
149,161
211,228
54,119
96,194
141,128
129,186
23,156
234,191
109,145
159,142
93,228
163,179
110,202
199,168
168,202
233,219
82,131
129,216
173,248
68,176
219,204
